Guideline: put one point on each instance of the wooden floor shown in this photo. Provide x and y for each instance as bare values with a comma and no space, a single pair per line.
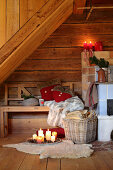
10,159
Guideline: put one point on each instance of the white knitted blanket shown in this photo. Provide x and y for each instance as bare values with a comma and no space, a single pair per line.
65,149
58,111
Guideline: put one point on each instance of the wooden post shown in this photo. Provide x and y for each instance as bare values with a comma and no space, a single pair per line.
6,94
6,123
2,122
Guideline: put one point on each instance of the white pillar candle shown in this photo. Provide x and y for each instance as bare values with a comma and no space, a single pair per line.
52,138
34,136
48,135
40,132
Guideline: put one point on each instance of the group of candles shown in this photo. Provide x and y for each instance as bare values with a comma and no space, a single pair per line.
97,47
88,46
48,136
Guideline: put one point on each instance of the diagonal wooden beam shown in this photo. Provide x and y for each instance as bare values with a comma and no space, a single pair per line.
77,4
89,13
45,27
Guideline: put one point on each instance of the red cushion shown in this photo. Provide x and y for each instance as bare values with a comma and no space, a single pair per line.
59,96
60,132
47,93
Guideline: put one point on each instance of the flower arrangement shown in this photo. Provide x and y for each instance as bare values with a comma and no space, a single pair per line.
102,63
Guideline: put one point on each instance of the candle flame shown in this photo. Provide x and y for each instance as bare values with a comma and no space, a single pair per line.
90,42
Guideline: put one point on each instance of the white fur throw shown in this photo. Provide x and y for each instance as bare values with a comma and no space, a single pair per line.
65,149
58,111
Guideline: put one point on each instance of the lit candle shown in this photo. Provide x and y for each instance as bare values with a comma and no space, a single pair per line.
52,138
39,139
34,136
42,138
85,45
54,134
40,132
90,45
48,135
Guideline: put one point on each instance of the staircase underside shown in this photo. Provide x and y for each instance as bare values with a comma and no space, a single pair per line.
33,34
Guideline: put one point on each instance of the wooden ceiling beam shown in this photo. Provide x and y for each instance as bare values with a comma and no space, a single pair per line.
77,4
21,48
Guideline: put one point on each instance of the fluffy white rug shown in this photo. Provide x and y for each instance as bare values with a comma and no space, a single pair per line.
65,149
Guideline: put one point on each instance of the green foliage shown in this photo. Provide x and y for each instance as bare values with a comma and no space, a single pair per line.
102,63
27,97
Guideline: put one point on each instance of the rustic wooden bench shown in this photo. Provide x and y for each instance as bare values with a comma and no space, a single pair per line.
5,110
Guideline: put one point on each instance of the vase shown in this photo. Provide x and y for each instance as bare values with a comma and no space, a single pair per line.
101,75
106,74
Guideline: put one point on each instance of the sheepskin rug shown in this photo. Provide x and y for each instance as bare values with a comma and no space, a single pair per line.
65,149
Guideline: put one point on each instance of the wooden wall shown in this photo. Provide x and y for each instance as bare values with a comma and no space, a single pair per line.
14,14
60,55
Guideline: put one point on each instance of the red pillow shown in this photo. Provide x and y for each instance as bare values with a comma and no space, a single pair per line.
61,96
47,93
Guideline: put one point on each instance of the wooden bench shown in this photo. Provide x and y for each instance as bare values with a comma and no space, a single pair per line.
4,110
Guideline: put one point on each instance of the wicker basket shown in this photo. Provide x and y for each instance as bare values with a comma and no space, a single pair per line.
80,130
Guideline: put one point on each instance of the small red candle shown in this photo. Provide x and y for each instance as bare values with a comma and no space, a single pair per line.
90,45
98,46
85,45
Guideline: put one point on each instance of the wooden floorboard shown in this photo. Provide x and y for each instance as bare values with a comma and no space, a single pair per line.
99,162
107,159
10,159
43,164
53,164
28,162
77,164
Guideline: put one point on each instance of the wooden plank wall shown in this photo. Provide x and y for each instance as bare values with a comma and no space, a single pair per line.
2,22
60,55
28,9
12,20
14,14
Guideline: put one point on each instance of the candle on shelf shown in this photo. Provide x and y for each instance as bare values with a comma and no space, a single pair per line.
40,132
90,46
85,45
52,138
90,49
98,46
48,135
85,50
34,136
54,134
39,139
